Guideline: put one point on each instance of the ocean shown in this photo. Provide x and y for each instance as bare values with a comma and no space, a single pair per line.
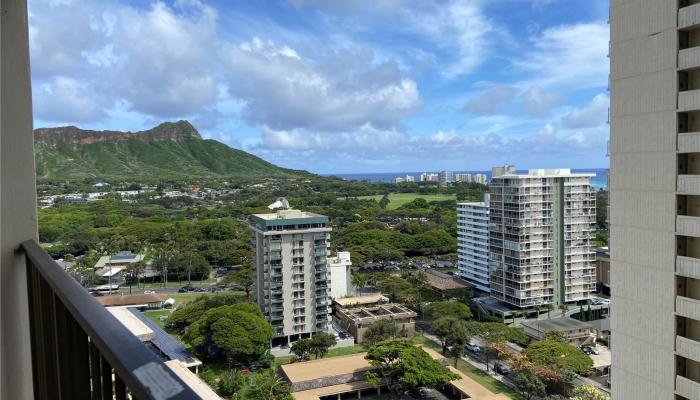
600,181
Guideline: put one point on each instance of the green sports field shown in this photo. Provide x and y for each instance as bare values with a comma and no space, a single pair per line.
399,199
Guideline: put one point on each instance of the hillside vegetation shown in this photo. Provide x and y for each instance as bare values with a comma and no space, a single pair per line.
168,151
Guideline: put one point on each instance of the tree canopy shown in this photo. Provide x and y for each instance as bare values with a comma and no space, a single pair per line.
379,331
454,309
563,355
400,362
236,332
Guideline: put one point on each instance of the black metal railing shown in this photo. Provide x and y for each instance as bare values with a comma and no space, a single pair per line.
80,351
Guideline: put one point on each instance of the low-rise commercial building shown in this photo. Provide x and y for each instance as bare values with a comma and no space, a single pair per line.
344,377
576,332
356,314
602,270
446,284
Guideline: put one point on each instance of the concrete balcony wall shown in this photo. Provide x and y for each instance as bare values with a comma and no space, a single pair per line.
689,17
687,388
688,348
687,307
688,226
688,267
688,184
689,58
689,100
689,142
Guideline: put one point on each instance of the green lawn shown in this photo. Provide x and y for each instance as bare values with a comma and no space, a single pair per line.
340,351
159,285
396,200
155,316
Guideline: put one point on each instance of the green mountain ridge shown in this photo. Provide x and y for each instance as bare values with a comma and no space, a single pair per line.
168,151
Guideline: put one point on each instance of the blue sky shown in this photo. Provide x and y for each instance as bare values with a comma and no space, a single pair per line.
337,86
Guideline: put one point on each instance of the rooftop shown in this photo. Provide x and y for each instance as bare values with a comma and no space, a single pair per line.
131,300
132,323
547,173
288,217
361,300
353,366
379,312
442,281
556,324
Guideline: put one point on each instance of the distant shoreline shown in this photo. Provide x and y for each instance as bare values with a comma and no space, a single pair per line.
599,181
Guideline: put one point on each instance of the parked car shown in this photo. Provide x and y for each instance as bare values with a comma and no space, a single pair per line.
186,289
501,368
472,347
590,350
149,292
586,351
200,290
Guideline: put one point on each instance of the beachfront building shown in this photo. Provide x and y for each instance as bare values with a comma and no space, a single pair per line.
410,178
540,237
480,178
473,243
463,177
292,286
429,177
339,274
445,178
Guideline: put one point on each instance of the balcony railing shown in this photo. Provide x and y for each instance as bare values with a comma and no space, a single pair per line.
79,350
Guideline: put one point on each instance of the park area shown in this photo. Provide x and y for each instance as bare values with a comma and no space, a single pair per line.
396,200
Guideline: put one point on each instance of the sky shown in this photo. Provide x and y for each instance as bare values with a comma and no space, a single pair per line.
337,86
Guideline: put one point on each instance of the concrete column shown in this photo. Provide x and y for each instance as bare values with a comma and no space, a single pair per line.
17,199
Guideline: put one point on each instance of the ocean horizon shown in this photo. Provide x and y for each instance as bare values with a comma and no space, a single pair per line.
599,181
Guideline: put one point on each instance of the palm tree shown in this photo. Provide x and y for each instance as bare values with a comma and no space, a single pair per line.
359,281
135,269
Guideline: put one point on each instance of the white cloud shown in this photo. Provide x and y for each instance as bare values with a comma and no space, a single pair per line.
593,114
492,101
157,60
459,27
343,91
67,100
365,137
568,56
539,103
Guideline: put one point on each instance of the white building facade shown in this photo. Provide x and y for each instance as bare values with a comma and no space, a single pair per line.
540,237
291,272
339,274
473,243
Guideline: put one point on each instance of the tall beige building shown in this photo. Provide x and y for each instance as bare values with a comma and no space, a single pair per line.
291,272
655,199
541,226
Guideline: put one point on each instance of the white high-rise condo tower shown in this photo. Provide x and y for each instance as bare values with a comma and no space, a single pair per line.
473,243
541,228
292,280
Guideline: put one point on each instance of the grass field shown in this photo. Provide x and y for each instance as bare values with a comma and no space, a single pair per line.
396,200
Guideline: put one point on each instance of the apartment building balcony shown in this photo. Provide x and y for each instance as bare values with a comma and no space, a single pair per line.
688,267
79,350
688,184
689,16
688,348
689,58
687,388
689,100
688,226
687,307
